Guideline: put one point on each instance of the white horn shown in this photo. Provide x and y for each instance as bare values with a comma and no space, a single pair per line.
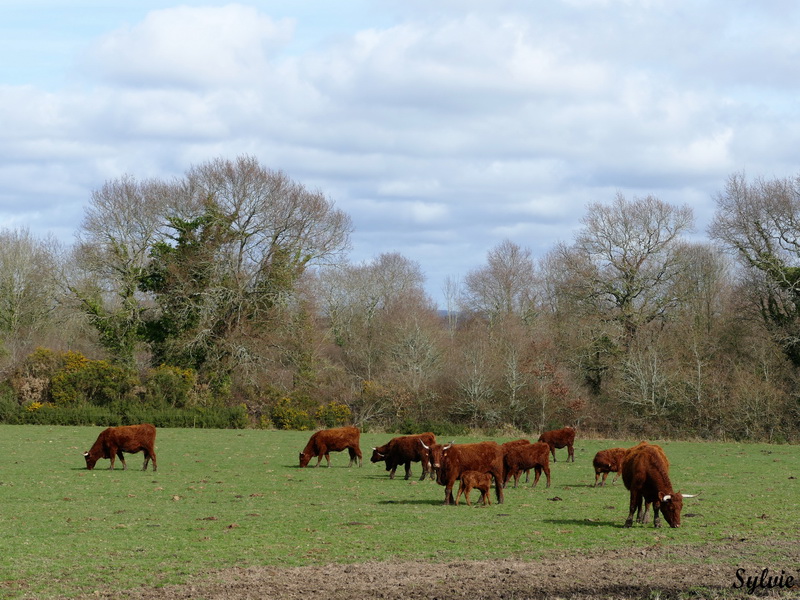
448,445
86,454
423,445
374,448
665,498
688,495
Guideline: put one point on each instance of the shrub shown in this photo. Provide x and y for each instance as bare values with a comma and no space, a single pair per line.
94,381
168,385
333,414
285,415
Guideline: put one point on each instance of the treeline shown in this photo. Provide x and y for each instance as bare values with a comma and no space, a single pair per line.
226,297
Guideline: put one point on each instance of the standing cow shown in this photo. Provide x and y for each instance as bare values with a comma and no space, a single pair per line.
452,460
332,440
559,438
404,450
524,457
608,461
112,442
645,472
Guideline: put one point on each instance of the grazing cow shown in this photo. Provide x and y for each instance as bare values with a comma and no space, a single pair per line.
479,481
404,450
645,472
113,441
452,460
558,438
524,457
608,461
332,440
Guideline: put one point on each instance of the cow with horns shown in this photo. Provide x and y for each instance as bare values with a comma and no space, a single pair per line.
404,450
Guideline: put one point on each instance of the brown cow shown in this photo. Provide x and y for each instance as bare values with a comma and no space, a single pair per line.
524,457
645,472
113,441
522,441
479,481
608,461
332,440
404,450
558,438
452,460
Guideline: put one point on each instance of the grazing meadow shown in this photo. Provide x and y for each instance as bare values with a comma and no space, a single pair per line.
224,498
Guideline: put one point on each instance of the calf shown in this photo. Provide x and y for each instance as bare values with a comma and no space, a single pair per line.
558,438
113,441
645,472
608,461
452,460
474,479
524,457
332,440
404,450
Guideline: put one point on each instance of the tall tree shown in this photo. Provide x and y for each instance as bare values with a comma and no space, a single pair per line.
626,260
759,222
504,286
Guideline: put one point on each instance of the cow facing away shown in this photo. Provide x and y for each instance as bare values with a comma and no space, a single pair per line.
325,441
404,450
452,460
645,472
112,442
560,438
478,481
524,457
608,461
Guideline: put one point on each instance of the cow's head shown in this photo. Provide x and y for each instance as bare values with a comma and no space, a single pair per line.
304,458
377,456
90,462
671,506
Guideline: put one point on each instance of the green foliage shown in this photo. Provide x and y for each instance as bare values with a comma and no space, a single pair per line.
97,382
333,414
285,415
170,386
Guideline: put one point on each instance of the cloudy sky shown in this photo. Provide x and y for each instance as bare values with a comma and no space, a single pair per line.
441,127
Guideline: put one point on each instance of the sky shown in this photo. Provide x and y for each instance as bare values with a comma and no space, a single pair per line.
442,128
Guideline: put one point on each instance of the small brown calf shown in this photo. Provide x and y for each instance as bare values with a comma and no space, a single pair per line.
477,480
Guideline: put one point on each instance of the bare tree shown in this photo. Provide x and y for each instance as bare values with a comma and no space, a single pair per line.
759,222
505,285
28,289
627,258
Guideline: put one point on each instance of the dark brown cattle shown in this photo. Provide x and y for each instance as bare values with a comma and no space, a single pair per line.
645,472
479,481
524,457
608,461
452,460
519,442
332,440
112,442
559,438
404,450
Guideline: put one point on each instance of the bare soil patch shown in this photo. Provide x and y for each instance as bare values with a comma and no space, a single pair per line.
657,572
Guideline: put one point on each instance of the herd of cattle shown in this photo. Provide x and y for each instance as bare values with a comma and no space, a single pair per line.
644,467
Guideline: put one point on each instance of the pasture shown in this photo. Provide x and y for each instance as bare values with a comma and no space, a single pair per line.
236,498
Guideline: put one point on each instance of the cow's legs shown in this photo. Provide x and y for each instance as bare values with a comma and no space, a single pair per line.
571,451
498,486
633,506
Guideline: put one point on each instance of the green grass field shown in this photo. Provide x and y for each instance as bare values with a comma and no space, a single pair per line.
225,498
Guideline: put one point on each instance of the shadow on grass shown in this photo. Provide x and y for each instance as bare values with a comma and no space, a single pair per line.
585,522
415,501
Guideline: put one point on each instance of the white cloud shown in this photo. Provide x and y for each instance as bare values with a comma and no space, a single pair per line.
191,47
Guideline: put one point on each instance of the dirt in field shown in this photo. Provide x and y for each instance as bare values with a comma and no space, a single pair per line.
658,572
